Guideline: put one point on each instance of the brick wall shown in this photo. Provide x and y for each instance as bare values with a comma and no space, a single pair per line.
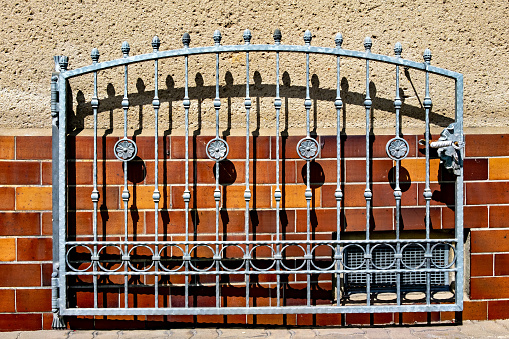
25,213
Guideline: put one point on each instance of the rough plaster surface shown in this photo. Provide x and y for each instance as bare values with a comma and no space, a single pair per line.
467,36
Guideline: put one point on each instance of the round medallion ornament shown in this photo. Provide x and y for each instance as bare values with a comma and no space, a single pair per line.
125,149
397,148
217,149
308,148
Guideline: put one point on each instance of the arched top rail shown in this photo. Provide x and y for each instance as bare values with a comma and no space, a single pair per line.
262,48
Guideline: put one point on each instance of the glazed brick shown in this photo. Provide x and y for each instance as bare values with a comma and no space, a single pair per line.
293,196
34,249
7,198
204,197
498,216
473,169
7,303
7,249
413,218
489,288
237,147
47,270
498,309
442,194
109,223
287,147
481,265
33,147
474,217
33,198
489,241
79,197
416,169
20,275
260,197
486,145
6,147
381,220
475,310
502,264
498,168
354,146
383,195
481,193
20,173
380,170
12,224
141,196
33,300
178,147
322,220
20,322
47,223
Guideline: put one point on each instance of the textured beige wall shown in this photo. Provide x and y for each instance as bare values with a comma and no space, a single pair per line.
467,36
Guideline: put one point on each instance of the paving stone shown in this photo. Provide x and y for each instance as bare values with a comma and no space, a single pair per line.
9,335
377,333
495,329
246,333
54,334
339,332
85,334
303,333
155,334
438,332
473,329
401,333
181,333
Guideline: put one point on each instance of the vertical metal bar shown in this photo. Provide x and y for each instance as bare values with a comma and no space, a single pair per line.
397,190
247,192
427,191
367,193
186,40
308,194
217,191
277,191
156,196
338,194
95,191
459,197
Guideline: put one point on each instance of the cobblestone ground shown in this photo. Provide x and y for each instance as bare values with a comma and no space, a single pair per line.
469,329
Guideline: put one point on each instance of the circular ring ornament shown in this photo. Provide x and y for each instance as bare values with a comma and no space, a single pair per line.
223,252
69,263
193,261
397,148
410,267
318,267
171,248
131,266
308,148
217,149
434,262
294,258
120,254
359,265
272,257
380,247
125,149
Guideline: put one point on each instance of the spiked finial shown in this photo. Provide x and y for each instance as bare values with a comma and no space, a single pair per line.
367,44
63,62
398,49
427,56
277,36
156,43
338,40
217,37
95,55
247,36
125,49
186,39
307,37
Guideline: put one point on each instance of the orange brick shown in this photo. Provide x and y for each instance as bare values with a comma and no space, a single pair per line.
79,197
498,216
475,310
33,147
204,197
33,300
260,197
481,265
355,219
489,241
7,249
489,288
141,197
498,168
6,147
33,198
7,301
34,249
20,275
12,224
7,198
293,196
417,169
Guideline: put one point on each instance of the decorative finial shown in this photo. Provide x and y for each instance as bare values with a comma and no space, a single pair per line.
367,44
186,39
95,55
338,40
307,37
398,49
277,36
156,43
217,37
247,36
63,62
125,49
427,56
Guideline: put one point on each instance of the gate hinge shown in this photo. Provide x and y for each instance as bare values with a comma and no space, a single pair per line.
449,147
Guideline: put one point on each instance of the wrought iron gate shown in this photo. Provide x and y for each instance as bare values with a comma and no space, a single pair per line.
358,270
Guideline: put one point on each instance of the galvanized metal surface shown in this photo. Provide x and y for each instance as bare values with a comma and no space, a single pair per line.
393,265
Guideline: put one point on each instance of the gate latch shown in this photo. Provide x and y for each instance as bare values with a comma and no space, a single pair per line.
449,145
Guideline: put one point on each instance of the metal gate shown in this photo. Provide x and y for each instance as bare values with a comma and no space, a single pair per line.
366,275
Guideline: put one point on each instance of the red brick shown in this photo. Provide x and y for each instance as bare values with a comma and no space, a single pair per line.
7,303
261,197
481,265
6,147
204,197
82,147
473,169
34,249
354,146
498,309
357,319
481,193
355,219
498,216
287,147
489,288
489,241
33,147
7,198
356,170
33,300
486,145
20,173
320,220
79,197
442,194
47,320
475,310
20,224
474,217
178,148
20,275
109,223
413,218
502,264
20,322
237,146
47,270
47,223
